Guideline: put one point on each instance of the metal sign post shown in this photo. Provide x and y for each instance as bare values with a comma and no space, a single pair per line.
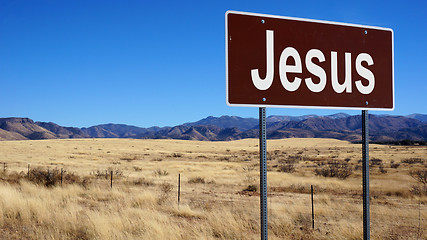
365,174
263,172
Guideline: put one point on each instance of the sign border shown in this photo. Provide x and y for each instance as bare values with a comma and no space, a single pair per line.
304,20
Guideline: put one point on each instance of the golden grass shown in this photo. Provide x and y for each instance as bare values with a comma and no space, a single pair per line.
143,201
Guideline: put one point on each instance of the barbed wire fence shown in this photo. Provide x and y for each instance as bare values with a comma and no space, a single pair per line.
328,215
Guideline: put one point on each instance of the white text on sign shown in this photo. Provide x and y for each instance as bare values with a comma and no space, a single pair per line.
316,70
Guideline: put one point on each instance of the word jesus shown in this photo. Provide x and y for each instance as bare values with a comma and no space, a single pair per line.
314,69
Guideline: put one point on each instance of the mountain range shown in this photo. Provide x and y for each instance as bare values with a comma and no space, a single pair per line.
382,128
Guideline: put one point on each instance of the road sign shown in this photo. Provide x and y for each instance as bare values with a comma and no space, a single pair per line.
274,61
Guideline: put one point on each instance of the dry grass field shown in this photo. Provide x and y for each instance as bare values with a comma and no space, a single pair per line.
219,189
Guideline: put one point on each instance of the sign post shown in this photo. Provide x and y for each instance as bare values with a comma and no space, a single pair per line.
276,61
263,172
365,174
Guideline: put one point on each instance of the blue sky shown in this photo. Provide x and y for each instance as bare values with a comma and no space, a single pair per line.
162,63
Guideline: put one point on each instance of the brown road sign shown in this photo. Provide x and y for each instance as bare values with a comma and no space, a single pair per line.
290,62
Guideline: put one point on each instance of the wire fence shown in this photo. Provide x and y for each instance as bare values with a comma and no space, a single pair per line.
409,214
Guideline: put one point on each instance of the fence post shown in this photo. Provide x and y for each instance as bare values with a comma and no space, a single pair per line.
48,178
111,184
4,167
61,176
312,207
179,188
28,173
419,219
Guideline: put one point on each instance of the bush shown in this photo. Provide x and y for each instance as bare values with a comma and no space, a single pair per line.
42,177
129,158
413,161
142,182
394,165
294,159
160,173
376,161
12,177
419,190
382,170
51,177
71,178
165,189
251,188
419,175
137,169
197,180
335,168
287,168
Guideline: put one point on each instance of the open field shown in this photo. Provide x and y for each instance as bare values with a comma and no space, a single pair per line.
218,183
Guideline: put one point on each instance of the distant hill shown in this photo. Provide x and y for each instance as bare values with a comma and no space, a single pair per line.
275,118
421,117
23,128
342,126
120,130
63,132
227,122
349,128
7,135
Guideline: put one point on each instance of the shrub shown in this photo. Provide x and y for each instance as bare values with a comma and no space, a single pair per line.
334,168
160,173
142,182
251,188
49,177
394,165
419,175
382,170
419,190
42,177
413,161
129,158
196,180
70,178
294,159
12,177
165,189
287,168
375,161
137,169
